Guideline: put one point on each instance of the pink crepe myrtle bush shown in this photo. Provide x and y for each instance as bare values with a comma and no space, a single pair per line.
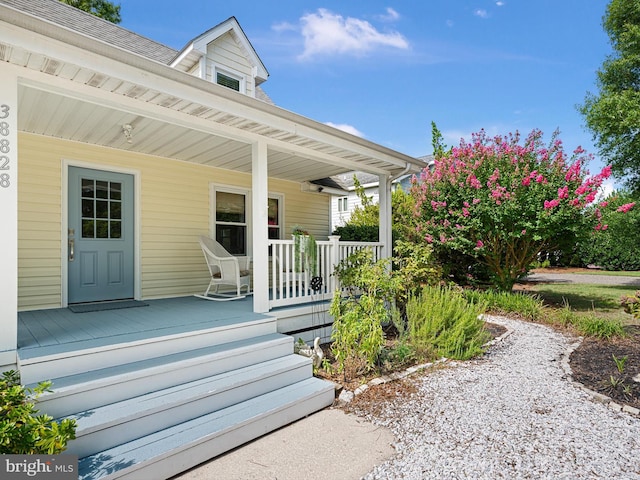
503,201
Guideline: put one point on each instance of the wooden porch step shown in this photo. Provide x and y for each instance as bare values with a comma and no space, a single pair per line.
50,362
83,391
124,421
165,453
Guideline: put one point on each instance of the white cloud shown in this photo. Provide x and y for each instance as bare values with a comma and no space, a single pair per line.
500,4
283,27
390,16
346,128
481,13
327,33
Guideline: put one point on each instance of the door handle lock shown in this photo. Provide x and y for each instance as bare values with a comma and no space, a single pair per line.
71,250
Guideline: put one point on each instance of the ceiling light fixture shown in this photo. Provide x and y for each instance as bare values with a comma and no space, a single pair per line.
127,131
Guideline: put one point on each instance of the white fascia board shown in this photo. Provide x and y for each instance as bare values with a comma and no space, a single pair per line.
184,54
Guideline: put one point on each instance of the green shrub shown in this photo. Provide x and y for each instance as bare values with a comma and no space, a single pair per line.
358,315
443,322
631,305
22,430
528,307
357,233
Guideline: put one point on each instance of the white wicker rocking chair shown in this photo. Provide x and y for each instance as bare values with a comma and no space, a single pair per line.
225,269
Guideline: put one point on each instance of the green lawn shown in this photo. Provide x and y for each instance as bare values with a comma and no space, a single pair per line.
604,299
607,272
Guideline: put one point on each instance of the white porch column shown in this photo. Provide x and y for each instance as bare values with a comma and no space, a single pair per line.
260,216
8,215
384,201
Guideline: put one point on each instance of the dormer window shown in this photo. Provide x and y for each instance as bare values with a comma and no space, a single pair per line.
229,80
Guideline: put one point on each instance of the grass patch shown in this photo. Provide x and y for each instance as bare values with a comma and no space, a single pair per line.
528,307
589,323
604,299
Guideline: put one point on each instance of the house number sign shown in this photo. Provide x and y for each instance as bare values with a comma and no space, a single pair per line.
5,147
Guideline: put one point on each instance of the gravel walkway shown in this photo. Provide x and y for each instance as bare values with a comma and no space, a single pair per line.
512,414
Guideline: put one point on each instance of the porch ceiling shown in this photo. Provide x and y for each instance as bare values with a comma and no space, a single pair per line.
50,114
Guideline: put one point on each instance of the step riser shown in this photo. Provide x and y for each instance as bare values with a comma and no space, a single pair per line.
73,401
33,370
170,415
188,456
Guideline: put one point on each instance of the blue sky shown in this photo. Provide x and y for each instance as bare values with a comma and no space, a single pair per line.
385,69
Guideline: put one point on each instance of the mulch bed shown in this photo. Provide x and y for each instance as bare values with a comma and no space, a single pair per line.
593,365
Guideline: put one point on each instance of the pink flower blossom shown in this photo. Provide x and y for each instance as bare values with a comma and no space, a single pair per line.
626,207
479,244
465,212
604,204
526,181
473,182
541,179
563,192
549,204
606,172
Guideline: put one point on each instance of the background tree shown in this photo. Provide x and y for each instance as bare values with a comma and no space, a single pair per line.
502,202
100,8
613,116
616,245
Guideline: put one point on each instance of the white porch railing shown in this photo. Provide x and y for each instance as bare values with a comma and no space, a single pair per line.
291,284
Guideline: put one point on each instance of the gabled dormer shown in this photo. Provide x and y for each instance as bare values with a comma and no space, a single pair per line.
224,55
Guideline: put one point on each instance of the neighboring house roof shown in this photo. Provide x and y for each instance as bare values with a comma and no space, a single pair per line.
347,182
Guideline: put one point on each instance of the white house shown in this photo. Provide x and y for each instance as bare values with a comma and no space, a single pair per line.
116,154
344,203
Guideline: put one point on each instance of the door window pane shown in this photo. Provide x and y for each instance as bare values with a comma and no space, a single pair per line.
115,229
101,207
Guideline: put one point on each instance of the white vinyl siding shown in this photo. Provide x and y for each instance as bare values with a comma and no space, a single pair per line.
226,55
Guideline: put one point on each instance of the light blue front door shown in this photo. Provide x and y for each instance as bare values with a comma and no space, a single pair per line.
100,250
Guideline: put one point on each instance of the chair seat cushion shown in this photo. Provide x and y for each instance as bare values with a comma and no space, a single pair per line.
243,273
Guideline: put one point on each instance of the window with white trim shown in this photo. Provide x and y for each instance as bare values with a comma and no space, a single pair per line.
232,216
231,219
343,204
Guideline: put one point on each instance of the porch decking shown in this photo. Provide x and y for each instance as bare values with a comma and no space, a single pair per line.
45,332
